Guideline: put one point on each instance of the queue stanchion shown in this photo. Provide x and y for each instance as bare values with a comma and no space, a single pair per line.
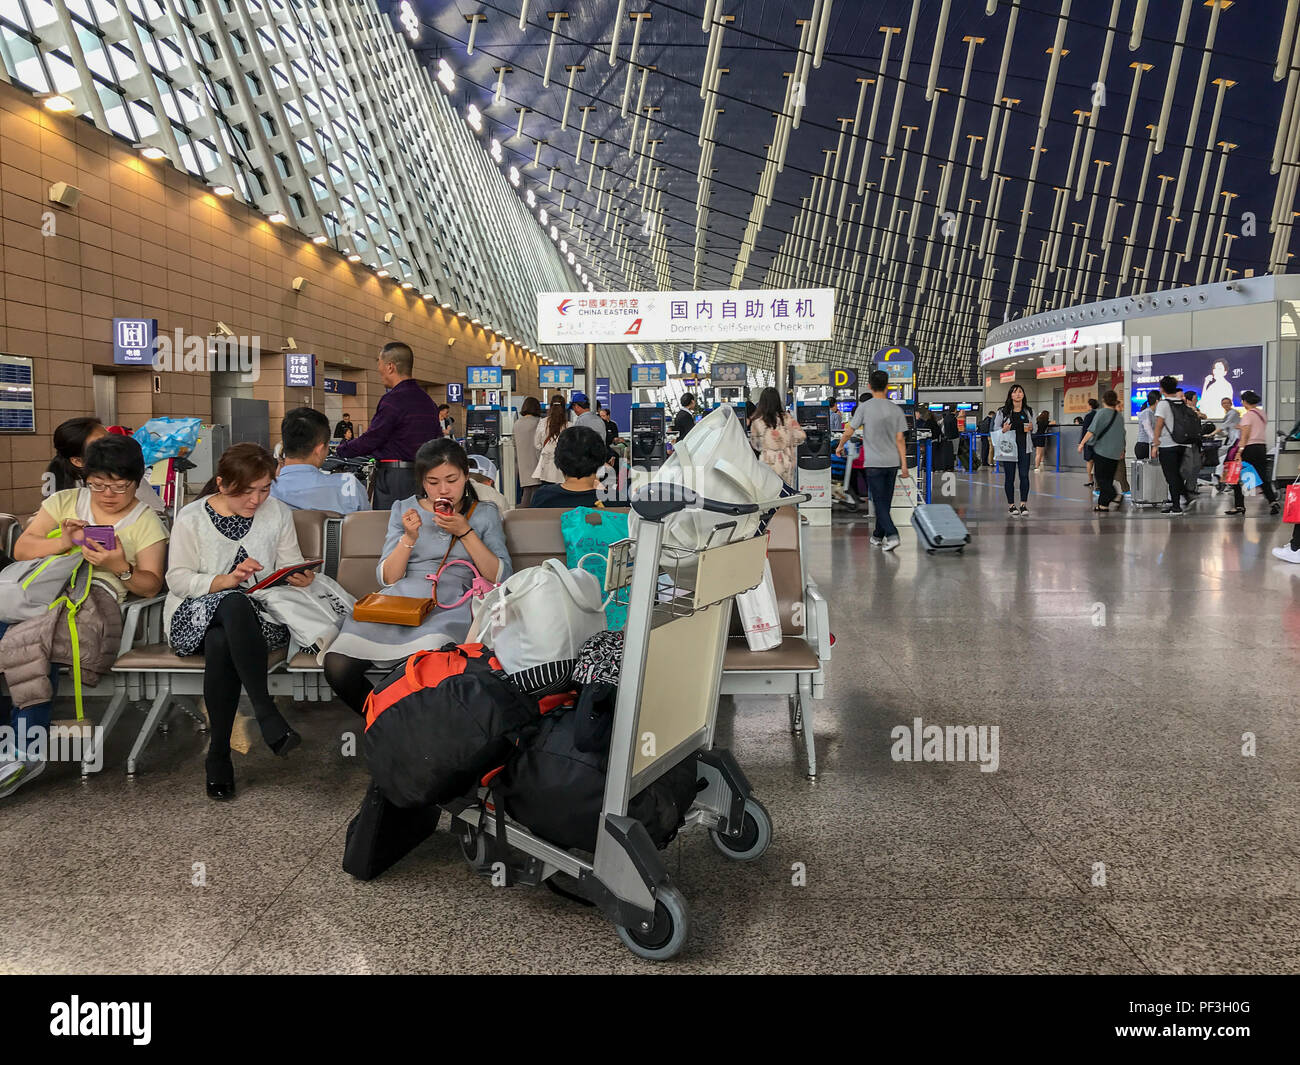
1057,434
929,465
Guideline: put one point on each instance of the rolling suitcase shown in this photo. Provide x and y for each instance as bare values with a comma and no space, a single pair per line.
938,527
1149,485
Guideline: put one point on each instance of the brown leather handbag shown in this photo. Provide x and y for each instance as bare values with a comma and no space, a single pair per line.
392,609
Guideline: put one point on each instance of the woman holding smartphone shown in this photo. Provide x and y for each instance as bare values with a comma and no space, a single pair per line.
221,541
446,522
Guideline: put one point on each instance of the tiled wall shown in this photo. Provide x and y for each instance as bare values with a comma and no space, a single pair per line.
147,240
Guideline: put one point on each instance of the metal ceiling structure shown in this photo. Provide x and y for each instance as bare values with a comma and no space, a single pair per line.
945,166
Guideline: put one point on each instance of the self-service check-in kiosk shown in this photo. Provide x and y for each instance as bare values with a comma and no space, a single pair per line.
647,442
814,458
487,426
483,432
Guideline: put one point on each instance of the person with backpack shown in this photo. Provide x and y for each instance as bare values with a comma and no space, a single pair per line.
1106,437
1253,449
1175,429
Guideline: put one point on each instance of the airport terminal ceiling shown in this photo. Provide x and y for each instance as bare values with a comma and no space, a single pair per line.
945,166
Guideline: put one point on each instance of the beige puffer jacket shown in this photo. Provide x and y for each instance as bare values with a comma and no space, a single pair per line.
28,648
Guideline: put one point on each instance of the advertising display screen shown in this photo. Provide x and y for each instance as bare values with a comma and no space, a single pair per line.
1214,373
811,375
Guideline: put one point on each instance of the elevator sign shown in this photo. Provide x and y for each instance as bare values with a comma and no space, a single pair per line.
671,317
133,340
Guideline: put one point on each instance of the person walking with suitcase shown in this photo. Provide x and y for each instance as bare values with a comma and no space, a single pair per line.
1016,416
884,454
1253,449
1106,436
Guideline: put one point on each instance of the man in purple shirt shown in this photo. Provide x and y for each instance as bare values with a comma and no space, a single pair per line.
405,418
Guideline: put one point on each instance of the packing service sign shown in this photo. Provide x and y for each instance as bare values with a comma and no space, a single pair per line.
664,317
1215,373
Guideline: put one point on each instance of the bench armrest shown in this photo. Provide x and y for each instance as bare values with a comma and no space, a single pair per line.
151,610
817,620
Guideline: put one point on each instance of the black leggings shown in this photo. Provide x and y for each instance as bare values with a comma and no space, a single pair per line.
1104,475
234,652
1257,456
347,676
1009,470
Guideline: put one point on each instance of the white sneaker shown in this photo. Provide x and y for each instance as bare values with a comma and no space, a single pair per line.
1286,554
876,541
890,543
13,775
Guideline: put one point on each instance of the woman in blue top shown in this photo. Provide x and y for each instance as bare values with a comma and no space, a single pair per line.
445,522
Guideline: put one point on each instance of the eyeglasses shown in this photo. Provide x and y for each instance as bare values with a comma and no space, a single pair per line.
116,489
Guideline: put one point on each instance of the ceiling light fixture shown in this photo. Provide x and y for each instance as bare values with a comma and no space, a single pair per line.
222,190
277,218
320,239
58,103
151,152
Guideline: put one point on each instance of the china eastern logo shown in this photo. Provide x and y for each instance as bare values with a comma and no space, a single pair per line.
563,308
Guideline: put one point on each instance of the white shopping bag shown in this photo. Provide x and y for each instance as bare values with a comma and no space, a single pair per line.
760,615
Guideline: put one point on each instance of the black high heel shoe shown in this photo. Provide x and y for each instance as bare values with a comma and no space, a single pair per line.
220,778
279,736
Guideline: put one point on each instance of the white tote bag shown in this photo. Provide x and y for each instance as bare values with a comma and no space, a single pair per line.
540,615
716,462
1004,445
760,614
313,614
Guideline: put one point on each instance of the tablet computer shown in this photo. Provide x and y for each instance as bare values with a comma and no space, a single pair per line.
279,575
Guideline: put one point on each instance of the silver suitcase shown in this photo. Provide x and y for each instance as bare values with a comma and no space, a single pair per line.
1149,487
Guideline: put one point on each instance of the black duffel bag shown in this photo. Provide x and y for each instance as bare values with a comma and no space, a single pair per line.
382,834
554,783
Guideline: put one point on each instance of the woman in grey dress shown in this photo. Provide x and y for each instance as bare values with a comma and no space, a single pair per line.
444,523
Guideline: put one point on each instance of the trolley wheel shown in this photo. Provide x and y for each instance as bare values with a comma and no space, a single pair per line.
473,845
755,834
929,550
672,924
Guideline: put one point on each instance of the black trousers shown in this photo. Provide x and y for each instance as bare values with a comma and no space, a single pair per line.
1257,456
1009,471
1141,451
391,484
1171,463
234,653
347,676
1104,474
1295,537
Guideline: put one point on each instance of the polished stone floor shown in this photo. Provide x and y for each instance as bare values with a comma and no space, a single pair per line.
1123,658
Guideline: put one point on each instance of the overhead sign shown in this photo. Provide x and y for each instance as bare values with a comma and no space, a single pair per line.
665,317
898,371
483,377
894,355
1059,340
602,391
455,392
299,370
338,386
729,374
133,340
555,377
693,362
1009,375
1055,370
846,379
647,375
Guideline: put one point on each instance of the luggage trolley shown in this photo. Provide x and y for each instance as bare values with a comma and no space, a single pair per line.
679,613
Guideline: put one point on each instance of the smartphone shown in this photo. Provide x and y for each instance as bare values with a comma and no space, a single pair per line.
102,536
442,506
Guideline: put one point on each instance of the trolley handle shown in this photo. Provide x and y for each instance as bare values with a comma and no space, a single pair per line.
649,507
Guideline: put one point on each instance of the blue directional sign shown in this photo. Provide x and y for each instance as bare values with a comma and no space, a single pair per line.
133,340
555,377
483,376
647,375
455,392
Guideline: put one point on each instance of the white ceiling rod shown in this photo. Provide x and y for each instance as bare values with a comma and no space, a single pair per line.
1054,66
991,8
853,143
1137,206
1171,86
1139,22
1138,70
708,15
715,32
523,14
618,25
582,131
1080,272
844,123
889,32
1194,119
1289,158
1164,259
917,194
473,21
823,26
939,34
1284,42
637,17
1103,70
972,139
1288,106
555,17
1223,85
640,110
997,92
941,201
1164,180
1219,251
1079,118
802,60
499,91
902,76
568,94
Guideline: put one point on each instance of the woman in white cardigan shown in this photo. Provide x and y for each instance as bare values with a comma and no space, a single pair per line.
548,432
219,544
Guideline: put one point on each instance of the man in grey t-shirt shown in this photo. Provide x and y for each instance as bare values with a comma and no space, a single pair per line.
582,414
884,453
